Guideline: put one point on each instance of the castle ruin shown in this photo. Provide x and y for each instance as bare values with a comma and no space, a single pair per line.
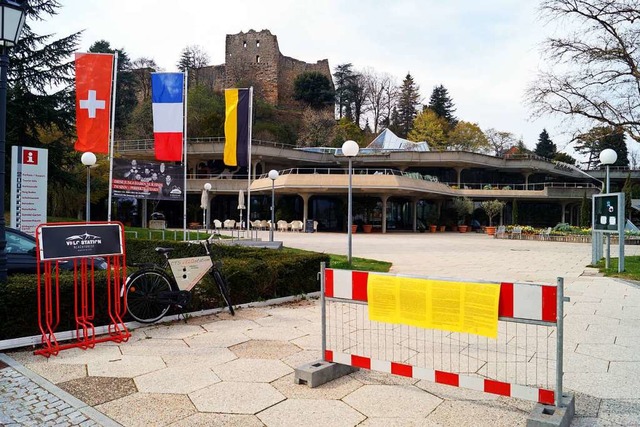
254,59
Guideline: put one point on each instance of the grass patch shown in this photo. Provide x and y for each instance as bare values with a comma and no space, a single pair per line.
631,268
169,234
336,261
361,264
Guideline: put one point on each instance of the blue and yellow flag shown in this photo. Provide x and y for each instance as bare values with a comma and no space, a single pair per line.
236,127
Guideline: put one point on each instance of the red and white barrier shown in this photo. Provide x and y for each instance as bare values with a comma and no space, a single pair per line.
522,305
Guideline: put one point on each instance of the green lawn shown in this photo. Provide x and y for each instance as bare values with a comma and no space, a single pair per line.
631,268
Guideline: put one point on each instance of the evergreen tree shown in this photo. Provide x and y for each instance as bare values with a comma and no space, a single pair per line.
514,212
192,57
126,86
40,96
407,105
442,105
615,140
343,82
564,158
314,89
545,147
585,212
627,189
599,138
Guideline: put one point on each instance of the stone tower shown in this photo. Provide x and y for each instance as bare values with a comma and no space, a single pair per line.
254,59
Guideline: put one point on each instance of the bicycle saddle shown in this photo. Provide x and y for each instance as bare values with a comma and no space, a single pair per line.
163,251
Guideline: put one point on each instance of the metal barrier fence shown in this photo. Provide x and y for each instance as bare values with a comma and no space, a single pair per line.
525,361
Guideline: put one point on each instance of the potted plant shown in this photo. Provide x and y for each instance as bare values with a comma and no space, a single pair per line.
492,208
432,219
463,207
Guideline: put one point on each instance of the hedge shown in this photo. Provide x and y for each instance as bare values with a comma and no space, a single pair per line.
254,274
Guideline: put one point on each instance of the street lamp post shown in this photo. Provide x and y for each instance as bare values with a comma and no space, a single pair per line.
205,223
607,158
273,175
88,159
12,17
350,149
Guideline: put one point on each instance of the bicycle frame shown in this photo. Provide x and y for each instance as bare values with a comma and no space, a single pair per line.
153,290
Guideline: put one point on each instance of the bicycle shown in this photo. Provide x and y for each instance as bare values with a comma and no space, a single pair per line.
152,291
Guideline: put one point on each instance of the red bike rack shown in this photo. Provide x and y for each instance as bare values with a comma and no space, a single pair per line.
83,244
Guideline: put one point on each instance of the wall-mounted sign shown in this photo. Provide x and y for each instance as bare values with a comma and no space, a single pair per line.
28,188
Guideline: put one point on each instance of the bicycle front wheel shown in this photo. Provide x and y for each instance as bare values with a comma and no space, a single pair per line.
147,291
223,286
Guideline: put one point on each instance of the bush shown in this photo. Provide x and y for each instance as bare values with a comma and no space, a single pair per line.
253,275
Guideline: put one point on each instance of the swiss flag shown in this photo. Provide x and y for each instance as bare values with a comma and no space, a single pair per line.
93,101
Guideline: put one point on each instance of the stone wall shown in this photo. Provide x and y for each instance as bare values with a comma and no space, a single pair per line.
289,69
254,59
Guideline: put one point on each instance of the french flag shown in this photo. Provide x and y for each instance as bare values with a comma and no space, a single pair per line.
167,94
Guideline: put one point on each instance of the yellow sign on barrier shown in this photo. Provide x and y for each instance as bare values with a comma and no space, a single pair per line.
437,304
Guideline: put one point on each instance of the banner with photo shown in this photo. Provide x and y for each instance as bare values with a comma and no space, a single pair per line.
147,179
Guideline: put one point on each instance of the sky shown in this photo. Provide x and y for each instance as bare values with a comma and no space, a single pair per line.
484,52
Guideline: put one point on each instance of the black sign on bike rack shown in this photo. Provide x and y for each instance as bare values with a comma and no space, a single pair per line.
79,241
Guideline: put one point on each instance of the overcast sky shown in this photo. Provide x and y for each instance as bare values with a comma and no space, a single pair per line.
484,52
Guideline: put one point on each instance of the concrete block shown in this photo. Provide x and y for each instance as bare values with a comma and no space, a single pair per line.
319,372
551,416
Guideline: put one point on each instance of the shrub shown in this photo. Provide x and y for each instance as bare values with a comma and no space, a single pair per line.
253,274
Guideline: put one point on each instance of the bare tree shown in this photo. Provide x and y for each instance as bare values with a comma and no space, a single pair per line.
500,141
389,101
193,58
318,128
594,72
633,160
377,89
141,68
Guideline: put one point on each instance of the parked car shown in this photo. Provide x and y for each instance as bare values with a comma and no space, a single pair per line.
21,254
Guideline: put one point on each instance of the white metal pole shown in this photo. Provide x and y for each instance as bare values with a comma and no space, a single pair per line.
184,156
113,125
349,215
608,258
273,216
88,214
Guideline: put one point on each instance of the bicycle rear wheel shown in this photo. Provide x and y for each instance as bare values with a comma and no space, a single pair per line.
223,286
148,293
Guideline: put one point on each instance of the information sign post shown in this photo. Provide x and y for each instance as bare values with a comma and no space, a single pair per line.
608,218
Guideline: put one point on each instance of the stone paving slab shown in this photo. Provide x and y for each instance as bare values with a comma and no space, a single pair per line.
602,314
182,379
125,366
236,398
148,409
390,401
300,412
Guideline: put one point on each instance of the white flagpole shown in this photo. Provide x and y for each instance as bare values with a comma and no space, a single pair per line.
184,156
249,167
113,125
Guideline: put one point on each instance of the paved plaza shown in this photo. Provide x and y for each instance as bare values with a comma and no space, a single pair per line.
218,370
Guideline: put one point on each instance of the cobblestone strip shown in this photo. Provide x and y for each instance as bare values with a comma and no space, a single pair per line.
26,399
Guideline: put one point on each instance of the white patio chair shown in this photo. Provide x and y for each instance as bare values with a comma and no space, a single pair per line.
516,233
217,224
546,234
